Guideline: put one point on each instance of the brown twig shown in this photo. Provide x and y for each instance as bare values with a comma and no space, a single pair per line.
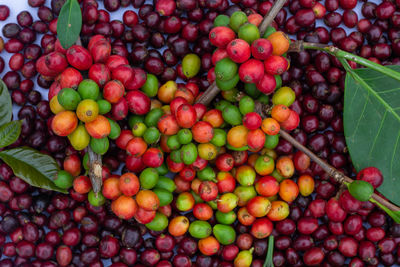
270,16
335,174
95,170
298,46
213,90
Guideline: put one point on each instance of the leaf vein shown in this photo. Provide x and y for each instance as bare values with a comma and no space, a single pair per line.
354,96
394,153
388,91
376,141
383,102
361,115
69,17
377,134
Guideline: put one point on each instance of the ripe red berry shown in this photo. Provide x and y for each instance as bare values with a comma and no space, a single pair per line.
371,175
261,49
252,121
238,50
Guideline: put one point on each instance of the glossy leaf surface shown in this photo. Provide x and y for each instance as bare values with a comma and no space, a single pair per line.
9,133
69,23
5,104
372,125
33,167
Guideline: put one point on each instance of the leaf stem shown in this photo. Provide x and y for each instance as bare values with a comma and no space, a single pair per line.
334,173
393,214
340,54
270,253
346,66
213,90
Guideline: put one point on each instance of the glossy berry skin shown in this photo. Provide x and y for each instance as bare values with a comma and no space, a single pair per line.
353,224
334,211
305,17
79,57
261,49
221,36
313,256
252,71
348,202
375,234
238,50
275,65
267,84
347,4
350,18
385,10
252,121
387,245
307,225
371,175
4,12
138,102
348,246
307,3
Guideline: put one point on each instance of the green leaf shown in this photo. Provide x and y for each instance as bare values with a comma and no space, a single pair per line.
33,167
9,133
5,104
69,23
371,122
